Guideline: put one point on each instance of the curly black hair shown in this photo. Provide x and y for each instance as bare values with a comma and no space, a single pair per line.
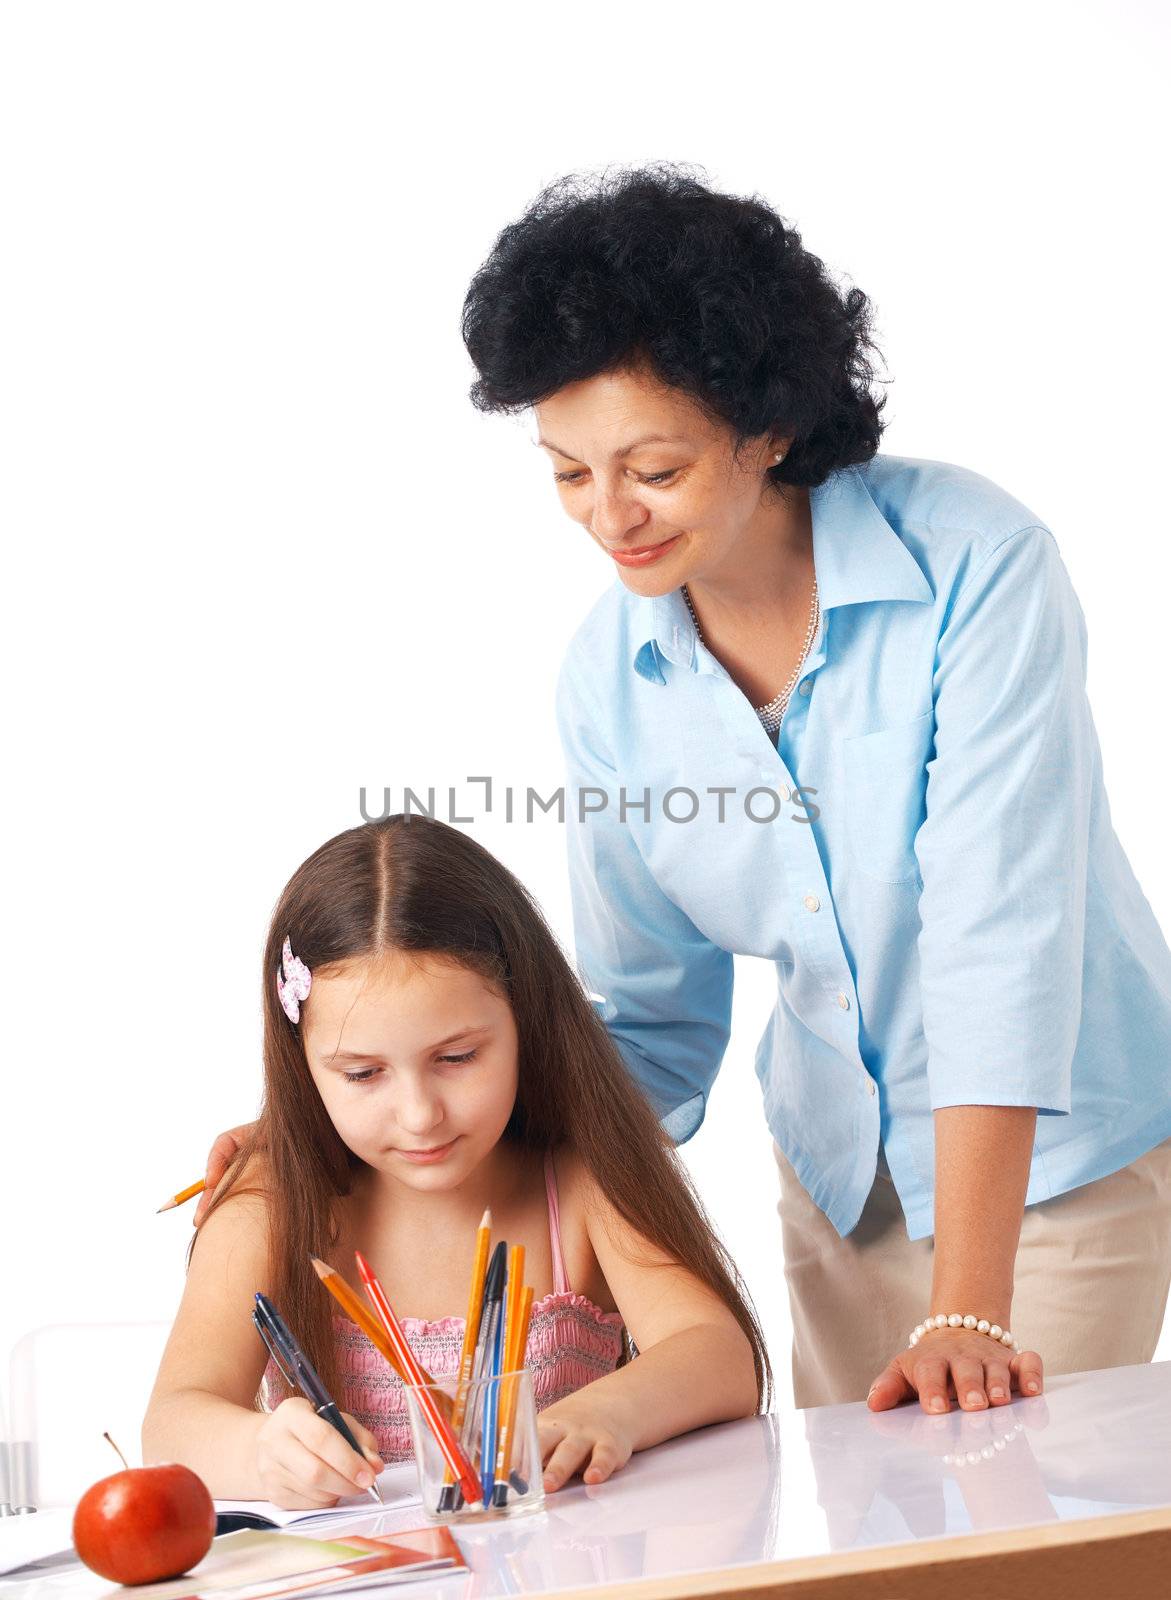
714,292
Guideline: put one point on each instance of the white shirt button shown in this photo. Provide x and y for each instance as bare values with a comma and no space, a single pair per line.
844,1002
870,1085
784,791
806,686
811,902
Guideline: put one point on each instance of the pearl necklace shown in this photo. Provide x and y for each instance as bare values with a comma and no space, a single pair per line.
772,714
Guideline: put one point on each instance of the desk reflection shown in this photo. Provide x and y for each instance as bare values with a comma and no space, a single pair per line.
705,1500
805,1484
1094,1443
842,1477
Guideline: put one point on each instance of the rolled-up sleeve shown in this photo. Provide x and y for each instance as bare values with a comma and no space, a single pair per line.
666,989
1004,844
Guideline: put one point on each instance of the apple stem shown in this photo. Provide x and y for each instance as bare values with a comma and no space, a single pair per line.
113,1446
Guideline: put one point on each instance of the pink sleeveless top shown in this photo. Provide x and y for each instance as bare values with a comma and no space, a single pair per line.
571,1342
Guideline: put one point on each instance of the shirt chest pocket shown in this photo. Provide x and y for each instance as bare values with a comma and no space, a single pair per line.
885,775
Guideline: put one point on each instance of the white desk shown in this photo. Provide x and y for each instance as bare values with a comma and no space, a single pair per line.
800,1487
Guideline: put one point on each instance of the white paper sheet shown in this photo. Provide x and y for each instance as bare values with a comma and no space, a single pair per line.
38,1536
398,1485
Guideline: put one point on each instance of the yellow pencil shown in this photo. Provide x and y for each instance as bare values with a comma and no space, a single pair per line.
189,1193
471,1334
475,1297
514,1365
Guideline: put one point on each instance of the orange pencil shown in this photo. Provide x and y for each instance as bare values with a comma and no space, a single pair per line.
514,1364
522,1331
514,1290
191,1190
357,1313
452,1450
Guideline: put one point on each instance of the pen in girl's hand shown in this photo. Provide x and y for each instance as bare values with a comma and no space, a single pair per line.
299,1372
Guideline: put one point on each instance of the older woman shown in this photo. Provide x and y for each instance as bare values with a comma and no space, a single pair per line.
832,713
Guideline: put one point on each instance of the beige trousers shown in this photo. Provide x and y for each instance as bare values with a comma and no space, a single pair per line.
1090,1287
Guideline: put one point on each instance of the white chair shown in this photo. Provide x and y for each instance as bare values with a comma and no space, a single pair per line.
70,1383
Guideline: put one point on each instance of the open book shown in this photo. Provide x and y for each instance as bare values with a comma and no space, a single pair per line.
398,1485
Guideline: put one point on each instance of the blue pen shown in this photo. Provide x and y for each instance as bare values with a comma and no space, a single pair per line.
299,1373
493,1291
492,1392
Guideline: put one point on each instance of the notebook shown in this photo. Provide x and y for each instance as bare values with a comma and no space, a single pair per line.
399,1486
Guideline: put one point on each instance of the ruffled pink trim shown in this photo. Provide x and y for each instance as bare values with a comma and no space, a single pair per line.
611,1319
424,1326
419,1324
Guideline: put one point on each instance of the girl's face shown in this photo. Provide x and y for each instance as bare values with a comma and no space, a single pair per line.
682,497
415,1059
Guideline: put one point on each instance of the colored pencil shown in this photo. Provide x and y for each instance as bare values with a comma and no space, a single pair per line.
450,1446
357,1313
514,1363
191,1190
467,1358
475,1300
516,1283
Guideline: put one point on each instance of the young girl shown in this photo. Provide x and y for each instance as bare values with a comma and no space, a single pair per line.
429,1053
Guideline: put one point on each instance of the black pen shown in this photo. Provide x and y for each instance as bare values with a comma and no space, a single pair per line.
489,1311
299,1372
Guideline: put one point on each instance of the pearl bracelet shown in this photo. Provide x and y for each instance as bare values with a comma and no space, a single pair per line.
975,1324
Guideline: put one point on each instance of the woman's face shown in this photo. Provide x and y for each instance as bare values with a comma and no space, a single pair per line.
415,1059
680,497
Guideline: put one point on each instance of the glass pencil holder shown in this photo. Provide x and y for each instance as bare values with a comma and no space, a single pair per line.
508,1475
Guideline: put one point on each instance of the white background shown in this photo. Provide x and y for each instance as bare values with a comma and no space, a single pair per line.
261,550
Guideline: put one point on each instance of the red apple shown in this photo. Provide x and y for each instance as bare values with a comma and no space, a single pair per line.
144,1524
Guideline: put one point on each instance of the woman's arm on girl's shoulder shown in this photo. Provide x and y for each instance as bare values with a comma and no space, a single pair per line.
694,1365
201,1410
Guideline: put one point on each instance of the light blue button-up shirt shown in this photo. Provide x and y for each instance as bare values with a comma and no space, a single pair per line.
925,853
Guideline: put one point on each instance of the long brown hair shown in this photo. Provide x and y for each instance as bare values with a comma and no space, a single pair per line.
413,884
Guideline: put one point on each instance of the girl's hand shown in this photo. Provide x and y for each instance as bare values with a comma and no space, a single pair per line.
305,1464
218,1159
960,1362
578,1431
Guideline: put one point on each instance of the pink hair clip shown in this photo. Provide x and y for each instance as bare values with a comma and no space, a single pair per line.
296,984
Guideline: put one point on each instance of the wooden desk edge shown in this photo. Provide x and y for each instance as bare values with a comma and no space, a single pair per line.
1125,1553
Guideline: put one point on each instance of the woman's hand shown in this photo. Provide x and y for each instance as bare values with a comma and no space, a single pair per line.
305,1464
581,1430
956,1361
218,1159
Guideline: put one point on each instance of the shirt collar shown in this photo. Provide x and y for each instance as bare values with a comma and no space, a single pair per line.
857,556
